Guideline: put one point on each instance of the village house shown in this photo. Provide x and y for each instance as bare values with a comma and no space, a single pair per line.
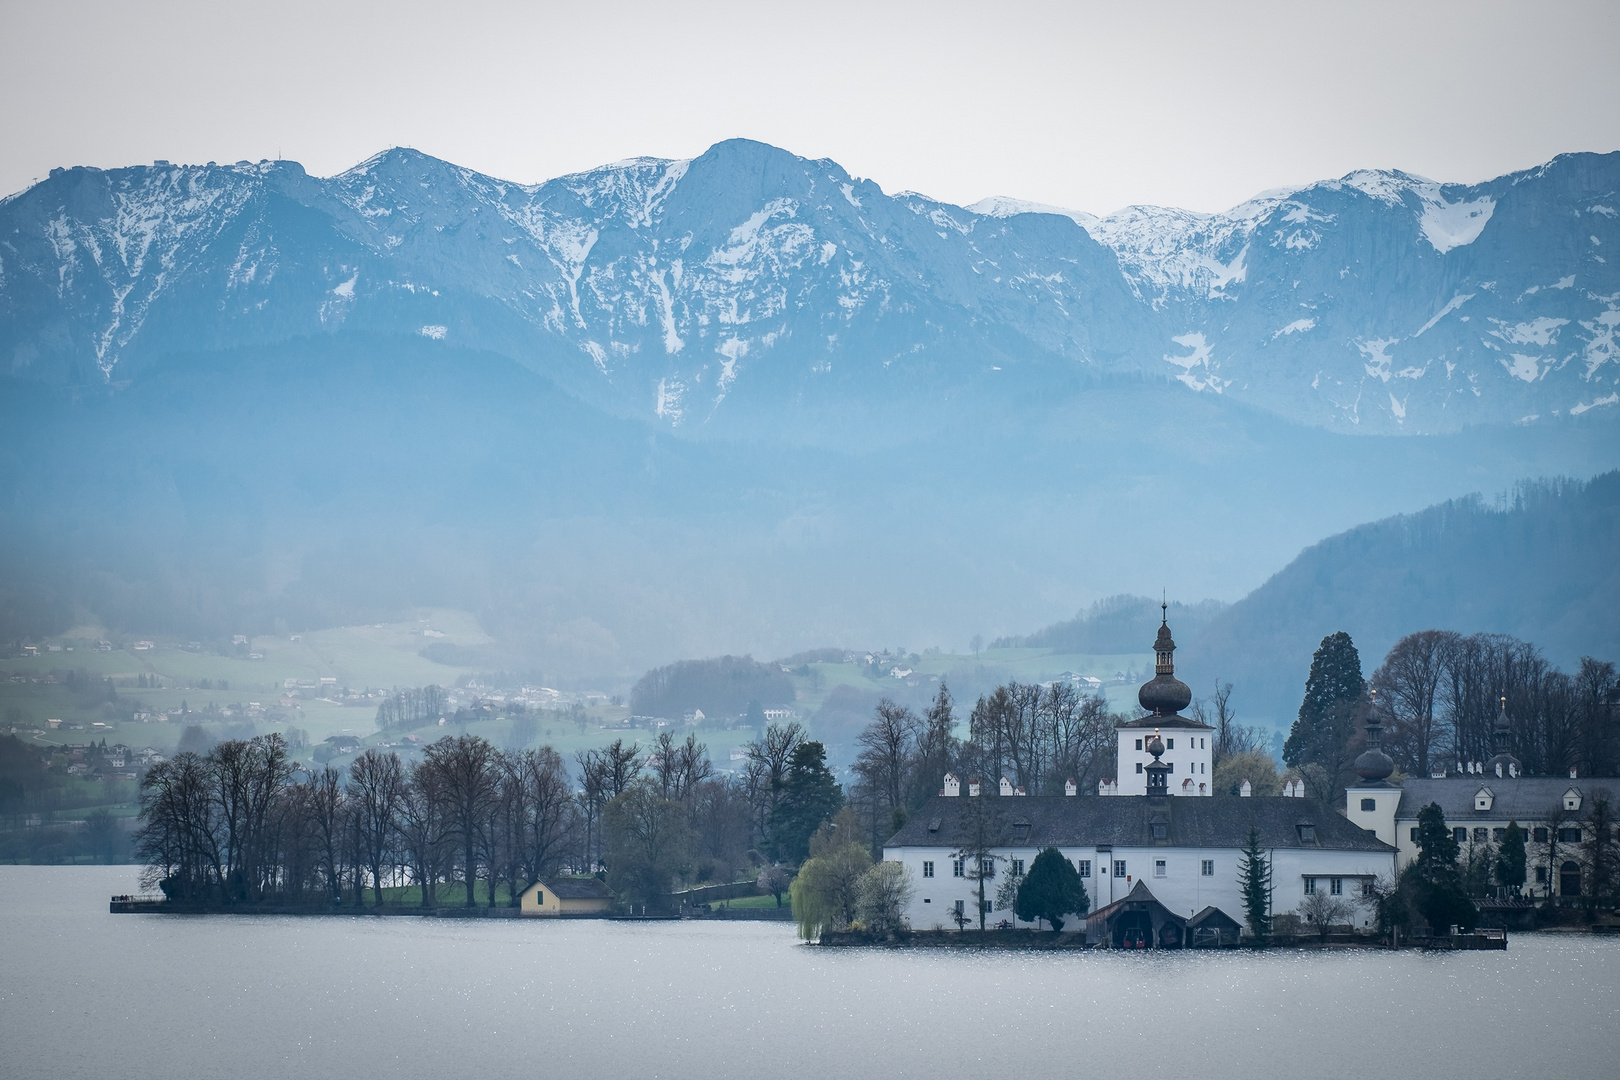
566,896
1158,870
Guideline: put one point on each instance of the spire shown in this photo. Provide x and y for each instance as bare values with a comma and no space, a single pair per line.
1164,695
1504,763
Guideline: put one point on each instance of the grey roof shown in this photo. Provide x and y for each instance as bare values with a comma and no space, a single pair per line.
1526,798
1173,722
579,889
1127,821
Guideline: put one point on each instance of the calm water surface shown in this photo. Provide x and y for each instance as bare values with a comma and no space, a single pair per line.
88,994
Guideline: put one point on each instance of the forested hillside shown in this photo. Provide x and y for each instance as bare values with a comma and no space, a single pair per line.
1117,624
1539,563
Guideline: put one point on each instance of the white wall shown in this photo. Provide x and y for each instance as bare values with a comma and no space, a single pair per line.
1189,757
1183,888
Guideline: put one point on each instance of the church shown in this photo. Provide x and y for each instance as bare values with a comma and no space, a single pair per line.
1159,859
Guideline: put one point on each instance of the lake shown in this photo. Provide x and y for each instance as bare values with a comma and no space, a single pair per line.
88,994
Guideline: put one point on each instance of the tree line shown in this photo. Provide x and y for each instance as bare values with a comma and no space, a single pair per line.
1437,695
241,822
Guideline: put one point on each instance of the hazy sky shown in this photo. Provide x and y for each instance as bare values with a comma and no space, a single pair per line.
1081,105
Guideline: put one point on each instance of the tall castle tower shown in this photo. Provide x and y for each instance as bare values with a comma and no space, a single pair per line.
1187,744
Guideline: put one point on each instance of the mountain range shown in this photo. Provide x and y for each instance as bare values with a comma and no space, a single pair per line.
750,290
749,403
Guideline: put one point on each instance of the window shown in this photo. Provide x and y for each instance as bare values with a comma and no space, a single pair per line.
1414,834
927,900
1541,875
1119,867
1310,886
961,907
1538,835
1161,831
1139,744
988,906
1138,766
1158,868
987,868
1172,766
1336,886
1169,744
928,868
1498,835
1207,868
1203,768
1569,836
1369,804
958,867
1366,886
1307,833
1018,868
1480,835
1085,868
1459,834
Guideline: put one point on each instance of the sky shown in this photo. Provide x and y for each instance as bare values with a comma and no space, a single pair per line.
1086,106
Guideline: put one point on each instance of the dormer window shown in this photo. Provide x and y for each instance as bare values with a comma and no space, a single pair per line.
1572,799
1161,831
1307,832
1482,799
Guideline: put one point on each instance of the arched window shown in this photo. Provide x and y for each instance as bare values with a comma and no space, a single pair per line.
1569,879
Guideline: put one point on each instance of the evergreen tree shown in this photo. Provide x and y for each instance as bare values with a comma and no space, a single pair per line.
1327,715
809,797
1436,878
1254,879
1510,862
1051,890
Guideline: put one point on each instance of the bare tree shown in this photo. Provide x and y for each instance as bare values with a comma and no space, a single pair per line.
772,751
1408,685
466,776
888,748
377,787
1322,912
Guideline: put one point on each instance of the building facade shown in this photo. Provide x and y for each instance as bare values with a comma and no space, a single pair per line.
1179,857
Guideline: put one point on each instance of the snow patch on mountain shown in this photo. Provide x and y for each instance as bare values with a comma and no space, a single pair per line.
1451,305
1200,355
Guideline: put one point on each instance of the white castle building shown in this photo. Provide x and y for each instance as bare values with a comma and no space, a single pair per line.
1158,870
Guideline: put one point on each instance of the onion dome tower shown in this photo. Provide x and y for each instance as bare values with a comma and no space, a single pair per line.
1164,694
1504,763
1374,766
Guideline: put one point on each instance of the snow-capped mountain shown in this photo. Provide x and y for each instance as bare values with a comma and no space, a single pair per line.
748,286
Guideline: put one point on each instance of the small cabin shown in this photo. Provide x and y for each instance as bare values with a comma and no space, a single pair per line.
566,896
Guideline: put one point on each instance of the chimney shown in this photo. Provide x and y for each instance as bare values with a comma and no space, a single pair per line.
1572,772
1006,787
1247,790
1070,787
973,787
952,788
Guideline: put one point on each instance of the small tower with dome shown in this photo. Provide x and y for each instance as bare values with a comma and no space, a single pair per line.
1186,748
1371,801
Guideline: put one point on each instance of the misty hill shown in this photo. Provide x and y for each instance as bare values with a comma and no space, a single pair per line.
1117,624
748,290
1539,565
722,688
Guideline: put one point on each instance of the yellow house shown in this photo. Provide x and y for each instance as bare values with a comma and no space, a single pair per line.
566,896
